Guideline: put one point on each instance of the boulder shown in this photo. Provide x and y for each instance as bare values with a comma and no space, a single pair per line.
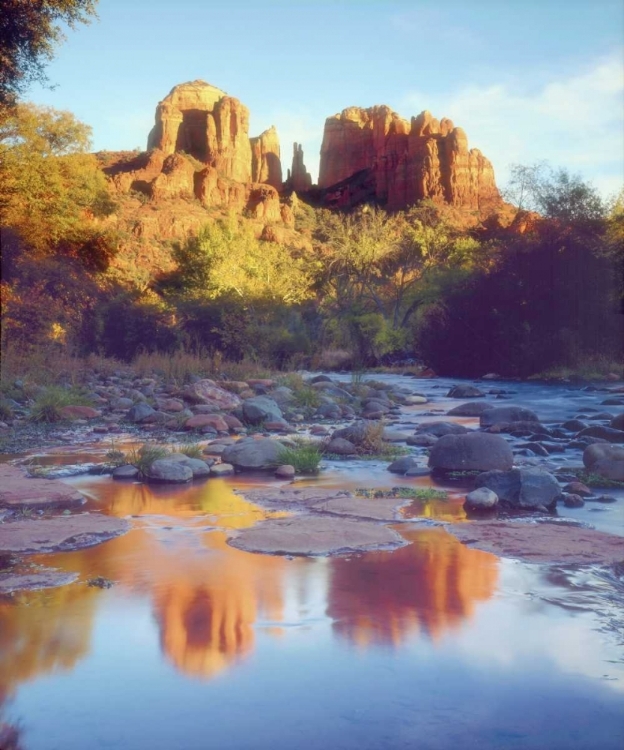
221,470
573,501
207,392
506,414
251,454
617,423
355,433
481,500
141,413
524,489
474,409
403,465
170,471
78,412
605,459
422,440
476,451
574,425
286,471
125,472
415,400
261,409
199,467
611,434
206,420
341,447
464,391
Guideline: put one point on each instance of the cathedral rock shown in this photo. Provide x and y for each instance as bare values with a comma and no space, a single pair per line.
375,154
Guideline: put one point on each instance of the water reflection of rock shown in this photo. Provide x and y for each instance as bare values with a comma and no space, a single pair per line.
206,596
431,586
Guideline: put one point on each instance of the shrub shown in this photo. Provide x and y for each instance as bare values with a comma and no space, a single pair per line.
145,456
6,412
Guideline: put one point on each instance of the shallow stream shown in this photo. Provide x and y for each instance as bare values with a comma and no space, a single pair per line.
432,646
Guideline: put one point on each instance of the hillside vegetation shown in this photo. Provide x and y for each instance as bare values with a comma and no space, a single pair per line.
81,274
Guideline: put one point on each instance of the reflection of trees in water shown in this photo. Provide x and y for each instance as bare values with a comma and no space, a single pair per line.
431,585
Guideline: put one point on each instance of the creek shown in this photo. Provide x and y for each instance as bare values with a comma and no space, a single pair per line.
431,646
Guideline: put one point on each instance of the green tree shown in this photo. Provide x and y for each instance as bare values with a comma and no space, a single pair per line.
50,186
29,32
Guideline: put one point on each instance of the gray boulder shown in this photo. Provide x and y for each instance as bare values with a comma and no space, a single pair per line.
141,413
474,409
261,409
506,414
355,432
618,422
221,470
403,465
611,434
170,471
252,454
475,451
125,472
464,391
605,459
524,489
199,467
481,500
341,447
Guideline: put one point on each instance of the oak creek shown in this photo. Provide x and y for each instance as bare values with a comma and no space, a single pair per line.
431,645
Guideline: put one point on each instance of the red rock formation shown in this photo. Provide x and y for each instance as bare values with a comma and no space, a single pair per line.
299,179
400,163
203,121
265,154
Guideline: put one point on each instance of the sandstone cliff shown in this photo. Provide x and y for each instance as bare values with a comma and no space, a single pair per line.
374,153
266,166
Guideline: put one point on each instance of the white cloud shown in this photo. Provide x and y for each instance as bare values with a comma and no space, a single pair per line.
575,122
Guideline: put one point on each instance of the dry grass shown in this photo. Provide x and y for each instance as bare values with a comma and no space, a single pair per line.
180,366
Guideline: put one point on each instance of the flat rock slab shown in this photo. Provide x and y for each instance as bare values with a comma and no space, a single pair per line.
306,535
33,581
542,542
18,490
336,502
60,533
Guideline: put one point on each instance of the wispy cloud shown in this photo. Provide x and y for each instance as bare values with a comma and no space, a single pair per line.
576,121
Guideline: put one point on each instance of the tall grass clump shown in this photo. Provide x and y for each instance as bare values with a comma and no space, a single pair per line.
48,404
144,457
305,457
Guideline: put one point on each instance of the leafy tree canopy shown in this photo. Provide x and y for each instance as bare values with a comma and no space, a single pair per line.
49,185
29,32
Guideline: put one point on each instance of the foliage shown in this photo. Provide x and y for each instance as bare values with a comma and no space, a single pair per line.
29,33
50,185
305,457
6,411
226,258
189,448
48,404
143,458
597,481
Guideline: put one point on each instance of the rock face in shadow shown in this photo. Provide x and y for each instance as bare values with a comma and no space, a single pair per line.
400,162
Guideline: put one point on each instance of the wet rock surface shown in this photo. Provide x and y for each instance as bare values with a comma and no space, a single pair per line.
315,536
59,533
17,490
542,542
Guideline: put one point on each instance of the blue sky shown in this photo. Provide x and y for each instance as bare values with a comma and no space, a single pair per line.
528,80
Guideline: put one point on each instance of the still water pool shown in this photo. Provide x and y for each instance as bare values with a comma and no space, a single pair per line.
199,645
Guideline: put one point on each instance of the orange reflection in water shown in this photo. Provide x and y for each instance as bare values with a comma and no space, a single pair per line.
207,596
432,585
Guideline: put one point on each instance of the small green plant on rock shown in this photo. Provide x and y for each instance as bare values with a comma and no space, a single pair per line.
189,448
597,481
143,458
